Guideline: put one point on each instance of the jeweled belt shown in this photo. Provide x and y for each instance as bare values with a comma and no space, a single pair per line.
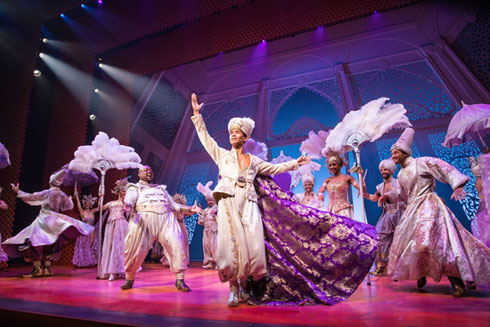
159,209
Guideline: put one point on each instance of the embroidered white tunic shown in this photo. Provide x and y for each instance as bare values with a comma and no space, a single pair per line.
240,250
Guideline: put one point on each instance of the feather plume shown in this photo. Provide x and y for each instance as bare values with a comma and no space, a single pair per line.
372,120
103,148
256,148
314,144
205,190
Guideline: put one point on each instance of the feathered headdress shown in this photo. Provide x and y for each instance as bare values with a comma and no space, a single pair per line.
297,174
120,185
371,121
90,199
256,148
205,190
103,148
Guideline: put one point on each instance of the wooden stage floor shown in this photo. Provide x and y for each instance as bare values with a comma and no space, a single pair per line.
154,300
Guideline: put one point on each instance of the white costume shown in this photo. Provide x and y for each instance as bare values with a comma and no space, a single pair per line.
153,220
240,249
311,200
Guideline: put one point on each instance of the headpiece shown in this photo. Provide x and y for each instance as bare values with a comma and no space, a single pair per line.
89,198
388,164
245,124
205,190
308,178
120,185
405,141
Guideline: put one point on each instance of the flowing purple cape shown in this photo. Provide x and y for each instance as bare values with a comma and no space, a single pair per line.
314,256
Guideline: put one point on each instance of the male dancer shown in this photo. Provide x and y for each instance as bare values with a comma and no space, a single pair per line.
392,212
153,220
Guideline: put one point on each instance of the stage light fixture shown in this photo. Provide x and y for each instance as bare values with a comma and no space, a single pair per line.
92,117
100,65
96,90
62,15
83,6
100,2
41,55
45,40
263,41
37,73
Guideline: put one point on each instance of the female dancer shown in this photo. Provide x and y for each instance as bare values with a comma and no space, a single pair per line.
84,255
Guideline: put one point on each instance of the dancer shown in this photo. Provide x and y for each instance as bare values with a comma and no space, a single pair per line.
392,212
480,225
116,229
240,250
84,255
337,187
308,198
210,233
153,220
3,256
180,216
42,241
429,240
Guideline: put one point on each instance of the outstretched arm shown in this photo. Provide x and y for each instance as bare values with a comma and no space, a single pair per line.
207,141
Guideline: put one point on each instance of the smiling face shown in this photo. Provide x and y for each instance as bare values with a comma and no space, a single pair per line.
334,167
385,173
237,138
122,195
87,205
398,156
308,186
146,174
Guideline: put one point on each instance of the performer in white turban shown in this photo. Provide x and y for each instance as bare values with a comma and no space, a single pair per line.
308,197
241,249
208,220
392,211
429,240
153,219
42,241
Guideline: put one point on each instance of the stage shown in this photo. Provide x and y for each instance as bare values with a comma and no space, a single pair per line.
74,296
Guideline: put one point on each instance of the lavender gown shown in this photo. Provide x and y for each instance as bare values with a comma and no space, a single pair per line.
313,256
83,255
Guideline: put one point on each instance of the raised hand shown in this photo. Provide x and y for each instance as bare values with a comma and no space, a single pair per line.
304,159
458,194
15,187
196,209
196,107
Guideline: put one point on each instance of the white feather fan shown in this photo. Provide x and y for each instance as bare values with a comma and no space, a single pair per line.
314,144
372,120
103,148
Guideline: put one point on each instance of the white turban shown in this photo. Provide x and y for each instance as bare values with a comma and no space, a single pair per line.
308,178
245,124
388,164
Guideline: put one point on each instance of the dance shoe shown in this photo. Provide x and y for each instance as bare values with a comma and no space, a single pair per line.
128,284
111,278
36,272
421,282
233,299
208,266
471,285
181,286
47,269
458,286
379,271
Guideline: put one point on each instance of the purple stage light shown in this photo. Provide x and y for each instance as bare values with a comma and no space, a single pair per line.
263,41
100,2
375,12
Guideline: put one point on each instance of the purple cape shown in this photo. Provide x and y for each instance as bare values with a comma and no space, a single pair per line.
314,256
